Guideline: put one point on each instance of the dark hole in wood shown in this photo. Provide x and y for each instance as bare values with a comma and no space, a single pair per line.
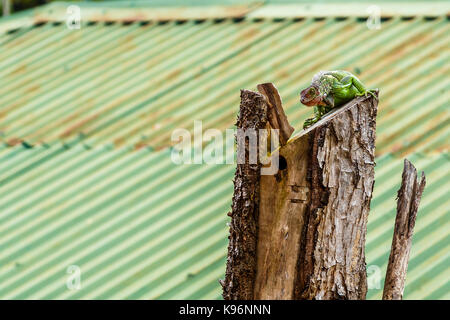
282,163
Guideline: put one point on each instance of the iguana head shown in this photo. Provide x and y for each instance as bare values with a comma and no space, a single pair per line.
311,96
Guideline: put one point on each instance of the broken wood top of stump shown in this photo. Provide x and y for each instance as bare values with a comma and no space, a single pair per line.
277,116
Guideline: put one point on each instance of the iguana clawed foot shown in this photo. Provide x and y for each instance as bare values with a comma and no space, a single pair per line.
309,122
368,92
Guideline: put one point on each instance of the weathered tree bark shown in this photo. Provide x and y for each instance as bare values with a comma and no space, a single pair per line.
311,216
241,262
408,200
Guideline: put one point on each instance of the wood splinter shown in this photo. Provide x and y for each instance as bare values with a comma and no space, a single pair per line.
408,196
276,115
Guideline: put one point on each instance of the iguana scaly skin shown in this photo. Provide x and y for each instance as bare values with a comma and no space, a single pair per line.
331,89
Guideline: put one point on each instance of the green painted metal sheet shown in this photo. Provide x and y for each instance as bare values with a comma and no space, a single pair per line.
140,227
86,118
136,224
133,84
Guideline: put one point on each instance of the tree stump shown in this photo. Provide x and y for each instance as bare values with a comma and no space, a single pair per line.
311,216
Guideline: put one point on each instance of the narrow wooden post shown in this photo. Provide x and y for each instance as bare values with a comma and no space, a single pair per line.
408,200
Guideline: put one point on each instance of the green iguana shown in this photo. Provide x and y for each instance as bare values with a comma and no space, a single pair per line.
331,89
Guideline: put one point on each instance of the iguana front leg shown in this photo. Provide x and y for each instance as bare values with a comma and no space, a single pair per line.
319,112
311,121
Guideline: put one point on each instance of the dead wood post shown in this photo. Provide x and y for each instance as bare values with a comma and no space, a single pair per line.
408,200
241,263
308,221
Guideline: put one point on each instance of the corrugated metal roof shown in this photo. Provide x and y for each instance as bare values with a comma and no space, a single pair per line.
139,226
152,230
133,84
92,183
